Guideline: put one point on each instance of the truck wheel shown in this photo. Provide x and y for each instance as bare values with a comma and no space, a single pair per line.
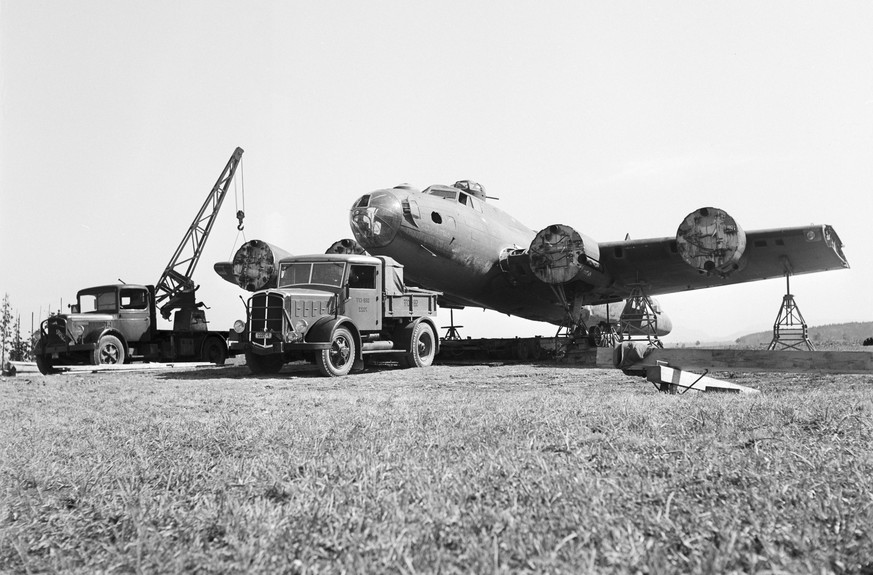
44,364
264,364
337,360
214,351
109,351
422,347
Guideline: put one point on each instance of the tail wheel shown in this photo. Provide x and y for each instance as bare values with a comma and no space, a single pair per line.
264,364
109,351
338,359
214,351
422,347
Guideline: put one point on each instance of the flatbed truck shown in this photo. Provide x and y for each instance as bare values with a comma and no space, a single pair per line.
335,310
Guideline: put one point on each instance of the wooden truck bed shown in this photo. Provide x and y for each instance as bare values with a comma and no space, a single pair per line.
411,304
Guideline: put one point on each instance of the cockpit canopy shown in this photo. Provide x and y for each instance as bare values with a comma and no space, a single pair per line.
473,188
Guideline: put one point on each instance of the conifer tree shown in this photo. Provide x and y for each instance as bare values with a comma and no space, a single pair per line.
5,329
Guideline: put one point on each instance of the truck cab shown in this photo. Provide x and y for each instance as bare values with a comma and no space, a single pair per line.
334,309
117,323
124,308
98,327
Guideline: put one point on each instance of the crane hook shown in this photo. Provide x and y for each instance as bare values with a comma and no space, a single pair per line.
240,215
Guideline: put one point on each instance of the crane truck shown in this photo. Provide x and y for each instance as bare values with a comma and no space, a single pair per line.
117,323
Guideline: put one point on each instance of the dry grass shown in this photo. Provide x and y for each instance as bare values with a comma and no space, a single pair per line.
447,469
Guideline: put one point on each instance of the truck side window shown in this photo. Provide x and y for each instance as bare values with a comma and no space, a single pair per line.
362,277
106,301
133,299
88,303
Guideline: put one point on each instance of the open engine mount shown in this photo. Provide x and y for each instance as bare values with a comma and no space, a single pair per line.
711,241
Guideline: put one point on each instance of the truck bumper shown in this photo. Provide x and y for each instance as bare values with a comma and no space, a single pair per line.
278,347
62,348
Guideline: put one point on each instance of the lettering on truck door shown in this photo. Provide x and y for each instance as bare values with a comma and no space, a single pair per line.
364,305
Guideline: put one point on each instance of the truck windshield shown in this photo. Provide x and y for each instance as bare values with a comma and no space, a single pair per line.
308,273
97,302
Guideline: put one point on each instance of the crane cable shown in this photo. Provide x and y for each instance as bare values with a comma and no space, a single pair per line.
239,191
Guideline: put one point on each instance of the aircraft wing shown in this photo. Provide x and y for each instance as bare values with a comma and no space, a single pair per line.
657,265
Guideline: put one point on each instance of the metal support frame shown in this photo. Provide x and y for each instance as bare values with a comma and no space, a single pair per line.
452,334
638,321
790,330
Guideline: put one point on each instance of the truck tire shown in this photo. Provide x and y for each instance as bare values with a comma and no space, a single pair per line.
422,347
214,351
44,364
109,351
264,364
338,359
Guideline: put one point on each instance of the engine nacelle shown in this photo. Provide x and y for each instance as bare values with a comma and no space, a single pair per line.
559,254
254,265
711,241
346,246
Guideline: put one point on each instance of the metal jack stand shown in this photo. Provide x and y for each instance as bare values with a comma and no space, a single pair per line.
790,330
452,333
638,320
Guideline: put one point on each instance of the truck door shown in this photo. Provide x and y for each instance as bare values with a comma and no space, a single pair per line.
133,313
364,305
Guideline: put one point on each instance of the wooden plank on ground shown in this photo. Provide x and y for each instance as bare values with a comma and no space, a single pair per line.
131,367
750,360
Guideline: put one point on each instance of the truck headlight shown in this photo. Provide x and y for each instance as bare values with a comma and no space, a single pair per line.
300,326
239,326
78,332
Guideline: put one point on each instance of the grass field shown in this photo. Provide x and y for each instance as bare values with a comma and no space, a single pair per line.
447,469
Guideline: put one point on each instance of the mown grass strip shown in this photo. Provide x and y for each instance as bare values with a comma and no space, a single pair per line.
474,469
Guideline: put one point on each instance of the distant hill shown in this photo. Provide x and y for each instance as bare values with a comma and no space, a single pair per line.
835,334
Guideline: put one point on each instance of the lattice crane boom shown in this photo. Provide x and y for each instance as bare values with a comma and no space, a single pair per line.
175,285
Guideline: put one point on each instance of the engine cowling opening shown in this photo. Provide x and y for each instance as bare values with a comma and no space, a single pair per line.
711,241
346,246
254,265
559,254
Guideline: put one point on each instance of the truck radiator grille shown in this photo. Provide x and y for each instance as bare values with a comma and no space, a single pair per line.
56,330
266,322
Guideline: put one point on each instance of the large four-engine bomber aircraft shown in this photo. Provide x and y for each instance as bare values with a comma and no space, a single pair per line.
451,239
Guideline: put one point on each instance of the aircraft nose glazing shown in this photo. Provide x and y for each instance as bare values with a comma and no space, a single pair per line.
375,219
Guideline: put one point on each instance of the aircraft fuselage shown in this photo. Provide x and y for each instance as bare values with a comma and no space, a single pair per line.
452,241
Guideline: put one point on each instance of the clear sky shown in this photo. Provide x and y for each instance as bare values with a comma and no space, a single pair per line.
613,117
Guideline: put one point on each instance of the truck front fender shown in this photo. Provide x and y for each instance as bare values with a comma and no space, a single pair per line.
95,336
322,332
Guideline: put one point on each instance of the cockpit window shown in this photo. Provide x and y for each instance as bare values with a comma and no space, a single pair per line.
308,273
444,194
